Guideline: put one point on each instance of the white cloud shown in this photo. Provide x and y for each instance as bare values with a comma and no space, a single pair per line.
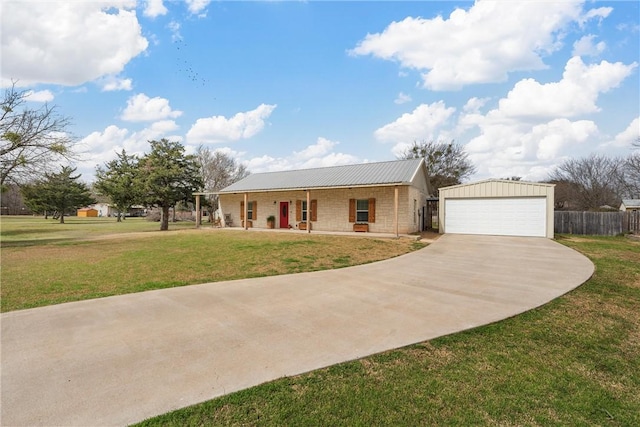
113,83
422,123
536,126
100,147
320,148
68,43
600,12
627,137
217,129
154,8
575,94
142,108
479,45
174,27
402,98
99,142
40,96
531,152
196,7
474,104
316,155
511,147
586,46
550,139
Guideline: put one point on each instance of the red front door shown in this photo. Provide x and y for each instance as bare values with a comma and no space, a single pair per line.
284,214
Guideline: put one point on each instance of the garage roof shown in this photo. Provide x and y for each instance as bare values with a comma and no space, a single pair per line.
399,172
505,181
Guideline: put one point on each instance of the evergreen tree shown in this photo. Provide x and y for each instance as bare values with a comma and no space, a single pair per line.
119,181
59,193
167,176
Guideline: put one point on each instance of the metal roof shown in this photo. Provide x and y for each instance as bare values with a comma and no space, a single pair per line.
508,181
631,203
360,175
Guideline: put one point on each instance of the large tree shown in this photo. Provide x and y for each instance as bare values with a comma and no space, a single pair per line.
218,170
118,180
447,163
595,181
31,140
167,176
59,192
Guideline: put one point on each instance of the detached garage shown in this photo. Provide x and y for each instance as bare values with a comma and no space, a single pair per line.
497,207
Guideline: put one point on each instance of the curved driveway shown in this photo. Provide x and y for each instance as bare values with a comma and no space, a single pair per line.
118,360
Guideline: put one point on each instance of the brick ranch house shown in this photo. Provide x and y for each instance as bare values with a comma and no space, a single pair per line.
383,197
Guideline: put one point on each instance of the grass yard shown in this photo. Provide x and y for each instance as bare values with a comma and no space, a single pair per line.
575,361
44,262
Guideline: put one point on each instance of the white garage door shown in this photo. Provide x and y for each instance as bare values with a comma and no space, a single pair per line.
497,216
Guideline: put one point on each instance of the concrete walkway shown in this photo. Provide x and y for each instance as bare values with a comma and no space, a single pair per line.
119,360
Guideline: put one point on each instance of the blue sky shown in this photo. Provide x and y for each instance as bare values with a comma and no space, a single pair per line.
286,85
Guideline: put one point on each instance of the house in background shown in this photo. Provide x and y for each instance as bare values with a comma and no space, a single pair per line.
384,197
629,205
104,209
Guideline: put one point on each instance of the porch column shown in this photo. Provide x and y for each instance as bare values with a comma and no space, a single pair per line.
198,211
308,211
395,206
246,211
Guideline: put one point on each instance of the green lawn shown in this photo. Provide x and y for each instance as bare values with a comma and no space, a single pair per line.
575,361
44,262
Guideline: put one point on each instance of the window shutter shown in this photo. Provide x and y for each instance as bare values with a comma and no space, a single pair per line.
314,210
372,210
255,210
298,210
241,211
352,210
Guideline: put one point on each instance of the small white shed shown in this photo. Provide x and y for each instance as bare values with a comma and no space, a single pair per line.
497,207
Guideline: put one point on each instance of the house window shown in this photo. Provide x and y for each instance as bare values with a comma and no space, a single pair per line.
304,210
362,210
250,210
415,211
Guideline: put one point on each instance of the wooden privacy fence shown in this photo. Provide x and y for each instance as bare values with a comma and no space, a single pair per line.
597,223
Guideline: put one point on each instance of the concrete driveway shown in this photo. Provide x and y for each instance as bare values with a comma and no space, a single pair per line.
118,360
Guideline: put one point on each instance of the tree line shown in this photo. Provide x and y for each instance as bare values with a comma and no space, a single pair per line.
162,178
596,182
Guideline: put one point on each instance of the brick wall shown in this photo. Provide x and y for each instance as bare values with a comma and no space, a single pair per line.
333,208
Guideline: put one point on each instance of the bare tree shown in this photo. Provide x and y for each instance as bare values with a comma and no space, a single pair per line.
596,180
565,194
447,163
31,140
632,175
218,170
